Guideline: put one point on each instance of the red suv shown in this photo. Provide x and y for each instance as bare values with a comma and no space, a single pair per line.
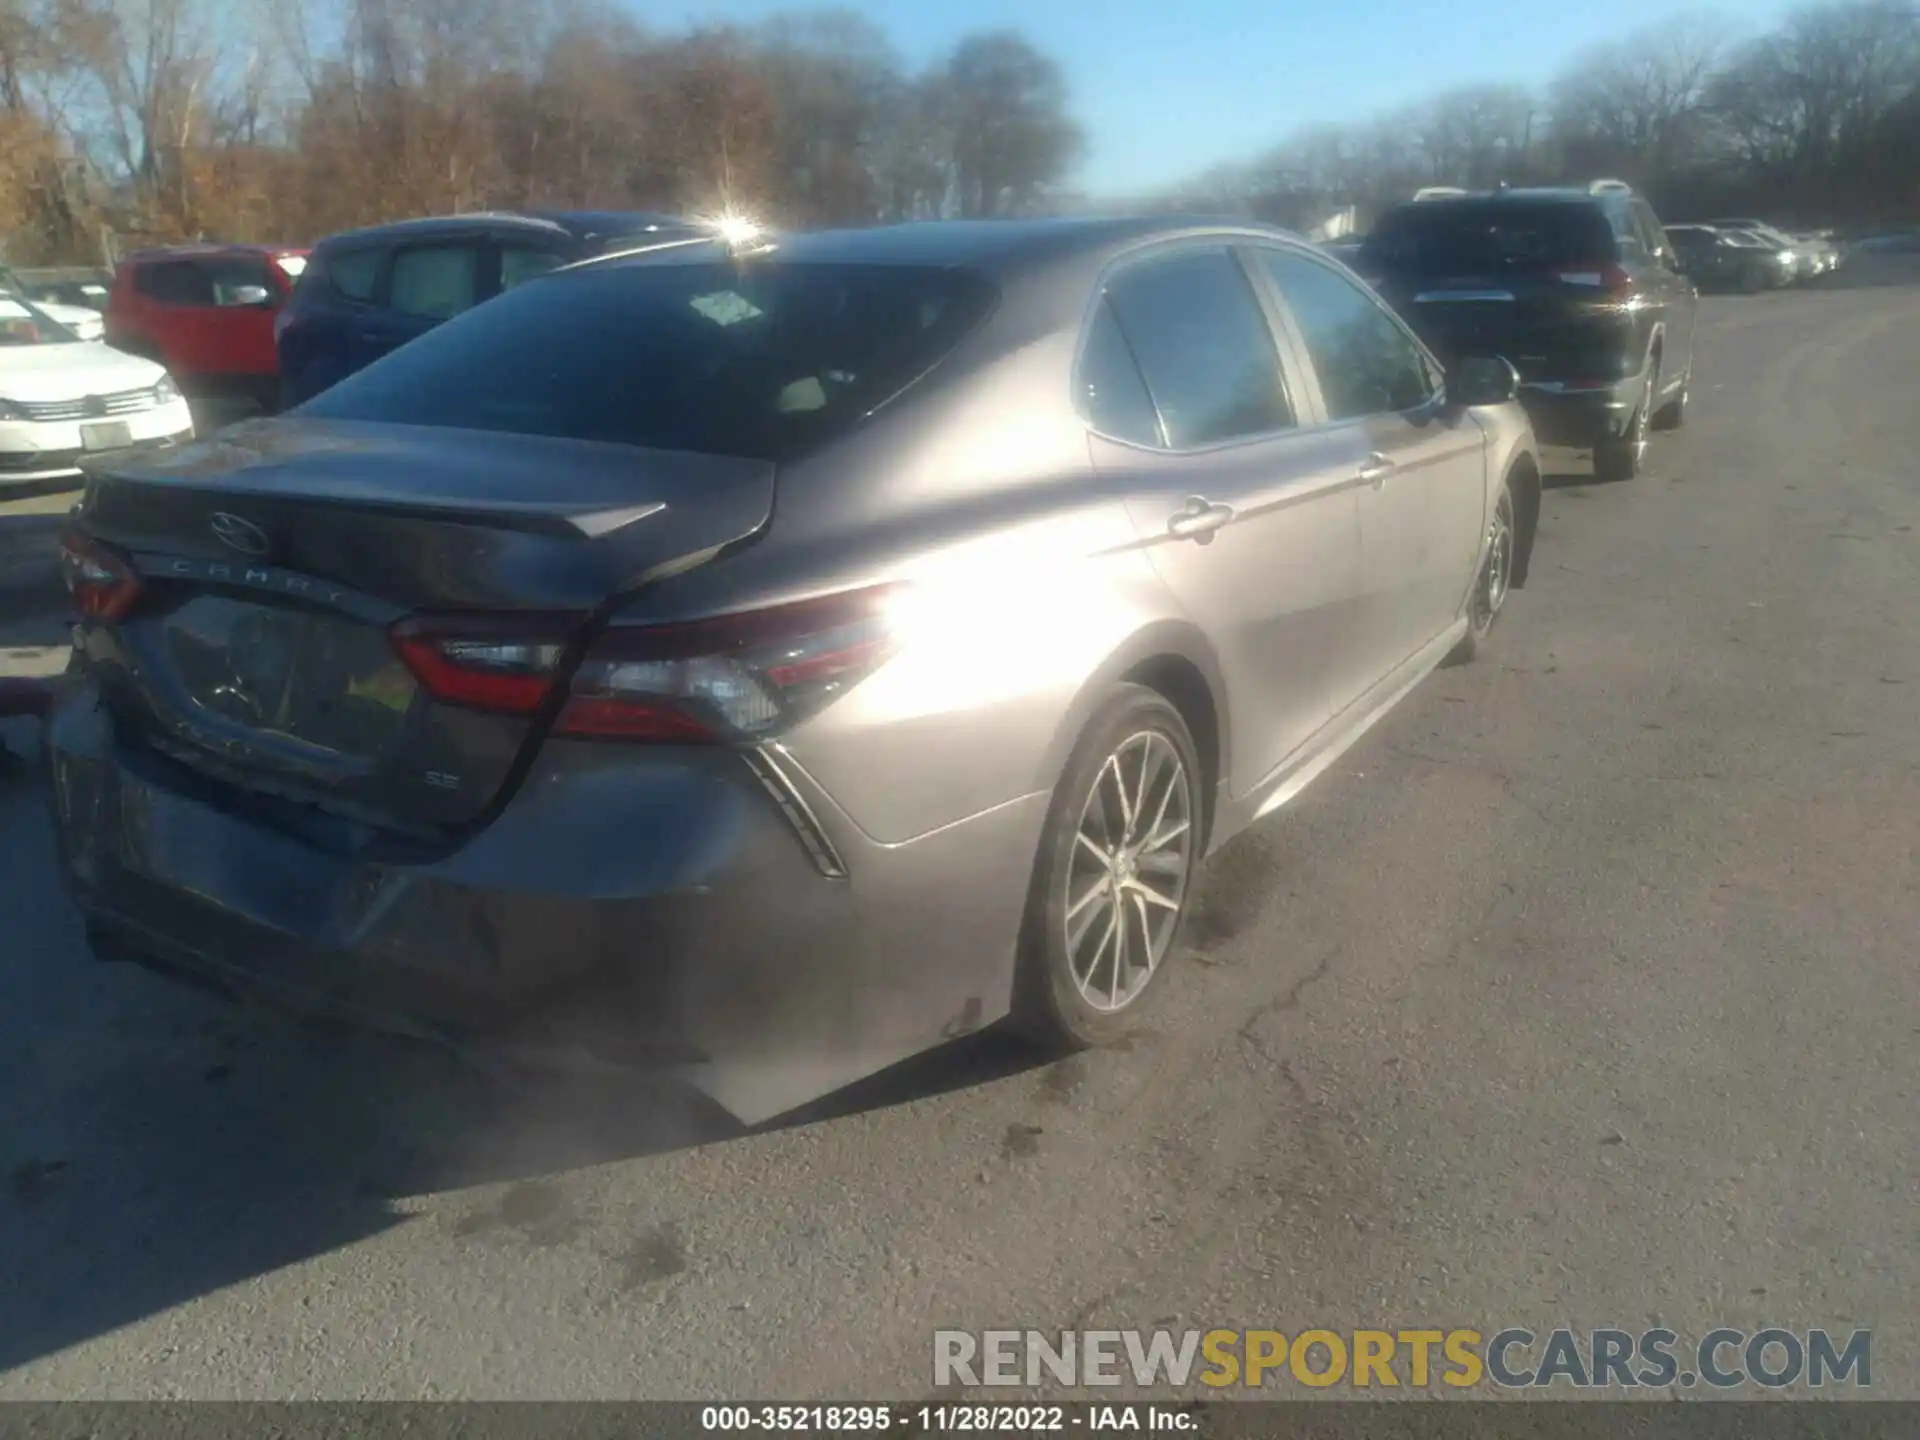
206,312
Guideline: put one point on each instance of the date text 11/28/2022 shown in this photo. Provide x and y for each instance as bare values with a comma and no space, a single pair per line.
955,1419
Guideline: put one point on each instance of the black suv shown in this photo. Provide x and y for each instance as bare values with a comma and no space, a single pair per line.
1578,288
367,292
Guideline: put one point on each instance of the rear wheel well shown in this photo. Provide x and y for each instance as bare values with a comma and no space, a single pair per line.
1523,482
1180,682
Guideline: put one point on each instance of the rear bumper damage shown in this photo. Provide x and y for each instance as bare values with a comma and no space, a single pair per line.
666,915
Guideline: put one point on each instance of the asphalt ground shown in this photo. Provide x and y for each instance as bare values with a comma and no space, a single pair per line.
1582,992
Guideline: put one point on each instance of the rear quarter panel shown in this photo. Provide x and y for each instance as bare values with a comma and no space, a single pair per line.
1023,581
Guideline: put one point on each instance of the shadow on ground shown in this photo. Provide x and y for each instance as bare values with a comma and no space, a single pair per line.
158,1144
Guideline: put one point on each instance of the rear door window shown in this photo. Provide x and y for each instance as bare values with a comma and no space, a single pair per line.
521,263
764,362
1113,396
1629,244
232,276
1491,237
1366,363
175,282
355,274
434,282
1650,231
1204,347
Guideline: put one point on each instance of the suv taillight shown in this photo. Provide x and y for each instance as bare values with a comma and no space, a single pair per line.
728,678
1606,279
103,582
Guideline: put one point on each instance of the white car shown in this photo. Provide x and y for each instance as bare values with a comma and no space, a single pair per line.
87,324
62,397
84,323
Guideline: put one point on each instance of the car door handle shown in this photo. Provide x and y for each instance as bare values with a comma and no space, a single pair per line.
1199,520
1375,469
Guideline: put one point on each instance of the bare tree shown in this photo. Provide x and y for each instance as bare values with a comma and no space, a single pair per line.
913,151
1474,135
1011,134
1630,104
832,78
1806,108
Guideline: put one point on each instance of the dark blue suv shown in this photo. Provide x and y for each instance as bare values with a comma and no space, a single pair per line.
366,292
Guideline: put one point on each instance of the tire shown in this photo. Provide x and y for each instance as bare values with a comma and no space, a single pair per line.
1673,414
1494,582
1074,988
1622,457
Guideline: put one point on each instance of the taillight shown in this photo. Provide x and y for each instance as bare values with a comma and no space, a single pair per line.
1607,279
505,664
103,582
730,677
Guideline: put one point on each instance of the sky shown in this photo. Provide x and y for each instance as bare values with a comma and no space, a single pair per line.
1166,88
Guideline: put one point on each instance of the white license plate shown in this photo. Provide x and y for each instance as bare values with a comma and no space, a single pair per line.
114,435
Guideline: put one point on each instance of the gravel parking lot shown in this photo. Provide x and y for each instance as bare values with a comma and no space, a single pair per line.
1581,992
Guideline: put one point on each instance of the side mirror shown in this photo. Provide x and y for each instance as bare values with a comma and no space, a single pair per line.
1482,380
250,295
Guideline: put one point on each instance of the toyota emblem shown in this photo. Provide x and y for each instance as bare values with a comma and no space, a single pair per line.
238,534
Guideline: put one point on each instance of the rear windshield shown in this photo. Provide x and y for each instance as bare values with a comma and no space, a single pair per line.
762,360
1468,238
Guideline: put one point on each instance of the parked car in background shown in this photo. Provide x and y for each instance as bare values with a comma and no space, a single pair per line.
84,321
1346,249
1578,287
771,666
63,398
1728,260
1799,255
1783,261
368,292
206,312
1825,253
90,295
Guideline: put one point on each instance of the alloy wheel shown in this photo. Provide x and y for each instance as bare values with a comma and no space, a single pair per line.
1497,573
1643,418
1127,880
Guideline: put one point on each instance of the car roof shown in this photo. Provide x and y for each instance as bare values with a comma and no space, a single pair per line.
207,250
580,224
614,222
1531,194
1006,248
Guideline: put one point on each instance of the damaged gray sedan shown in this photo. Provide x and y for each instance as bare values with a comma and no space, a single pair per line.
764,666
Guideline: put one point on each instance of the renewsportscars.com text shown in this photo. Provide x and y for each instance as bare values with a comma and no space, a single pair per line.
1512,1359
